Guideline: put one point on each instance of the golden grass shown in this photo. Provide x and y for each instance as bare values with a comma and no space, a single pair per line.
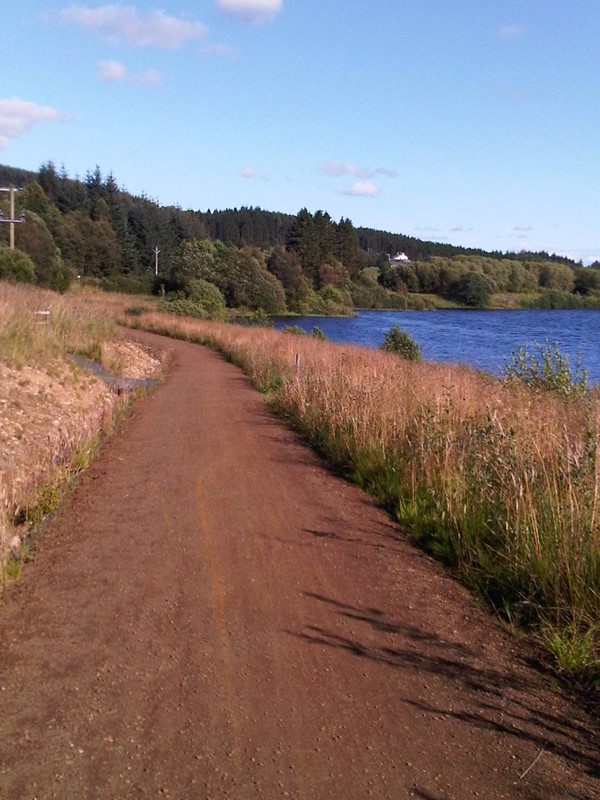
36,325
499,481
51,414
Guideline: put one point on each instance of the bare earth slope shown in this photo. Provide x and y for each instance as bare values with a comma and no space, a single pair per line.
214,615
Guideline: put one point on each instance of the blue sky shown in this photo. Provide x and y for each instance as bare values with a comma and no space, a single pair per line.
475,122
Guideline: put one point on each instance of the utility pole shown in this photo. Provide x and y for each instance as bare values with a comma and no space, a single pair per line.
11,220
156,252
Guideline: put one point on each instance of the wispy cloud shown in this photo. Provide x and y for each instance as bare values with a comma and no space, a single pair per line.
255,12
19,116
362,189
460,229
427,229
218,49
508,33
115,72
337,169
252,174
523,227
118,23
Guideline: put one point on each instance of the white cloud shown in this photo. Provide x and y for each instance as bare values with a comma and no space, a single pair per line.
18,116
337,169
253,11
509,33
362,189
523,227
115,72
112,71
118,23
252,174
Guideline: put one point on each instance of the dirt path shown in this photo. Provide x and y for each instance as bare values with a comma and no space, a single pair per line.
214,615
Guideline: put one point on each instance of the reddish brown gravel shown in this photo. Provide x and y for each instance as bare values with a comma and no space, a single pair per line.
213,614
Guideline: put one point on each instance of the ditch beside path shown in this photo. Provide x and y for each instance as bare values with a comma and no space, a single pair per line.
213,614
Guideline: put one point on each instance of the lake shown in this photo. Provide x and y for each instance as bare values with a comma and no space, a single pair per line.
482,339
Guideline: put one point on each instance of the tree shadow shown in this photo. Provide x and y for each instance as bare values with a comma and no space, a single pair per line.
498,699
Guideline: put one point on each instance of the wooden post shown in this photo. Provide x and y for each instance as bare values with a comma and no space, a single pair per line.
12,217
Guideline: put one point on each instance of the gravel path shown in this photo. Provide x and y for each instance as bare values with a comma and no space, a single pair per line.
214,615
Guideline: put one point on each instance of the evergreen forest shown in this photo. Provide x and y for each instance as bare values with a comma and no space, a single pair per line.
255,262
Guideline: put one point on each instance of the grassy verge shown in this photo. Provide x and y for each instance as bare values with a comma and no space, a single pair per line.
499,481
52,415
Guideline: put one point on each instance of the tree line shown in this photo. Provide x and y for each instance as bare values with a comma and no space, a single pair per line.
93,231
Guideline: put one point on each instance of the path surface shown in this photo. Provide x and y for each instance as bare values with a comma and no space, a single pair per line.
214,615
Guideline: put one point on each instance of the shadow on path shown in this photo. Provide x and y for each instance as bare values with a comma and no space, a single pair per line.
498,700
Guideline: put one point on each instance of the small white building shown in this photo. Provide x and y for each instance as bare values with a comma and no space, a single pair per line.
399,258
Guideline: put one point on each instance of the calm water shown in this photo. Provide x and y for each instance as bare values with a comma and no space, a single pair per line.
482,339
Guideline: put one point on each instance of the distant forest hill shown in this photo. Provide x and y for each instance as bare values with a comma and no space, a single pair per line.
210,262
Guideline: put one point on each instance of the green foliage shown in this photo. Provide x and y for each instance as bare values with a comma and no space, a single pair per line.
16,265
401,342
474,290
553,298
575,650
548,369
285,266
333,301
262,260
125,284
296,330
207,295
317,333
293,330
182,306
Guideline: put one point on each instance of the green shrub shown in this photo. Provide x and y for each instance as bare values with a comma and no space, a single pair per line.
547,368
16,265
182,306
207,296
317,333
401,342
294,330
474,290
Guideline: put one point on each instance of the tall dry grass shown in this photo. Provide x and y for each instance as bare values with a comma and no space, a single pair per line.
499,481
50,416
37,325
